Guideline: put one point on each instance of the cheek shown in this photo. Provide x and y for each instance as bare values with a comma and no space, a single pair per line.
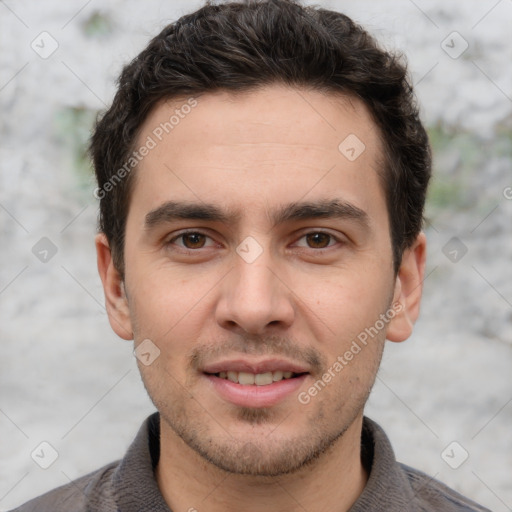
174,313
347,301
351,341
164,296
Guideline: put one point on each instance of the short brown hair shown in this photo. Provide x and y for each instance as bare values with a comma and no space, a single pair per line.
241,46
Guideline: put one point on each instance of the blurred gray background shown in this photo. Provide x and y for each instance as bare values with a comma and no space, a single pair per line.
67,380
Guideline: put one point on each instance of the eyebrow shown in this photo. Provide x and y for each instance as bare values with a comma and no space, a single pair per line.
323,209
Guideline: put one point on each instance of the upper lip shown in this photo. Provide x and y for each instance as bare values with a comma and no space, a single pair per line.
243,365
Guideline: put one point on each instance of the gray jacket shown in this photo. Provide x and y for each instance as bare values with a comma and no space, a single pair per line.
129,485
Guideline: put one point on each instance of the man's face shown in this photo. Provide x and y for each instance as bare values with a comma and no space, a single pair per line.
254,245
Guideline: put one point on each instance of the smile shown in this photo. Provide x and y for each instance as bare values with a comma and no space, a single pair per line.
258,379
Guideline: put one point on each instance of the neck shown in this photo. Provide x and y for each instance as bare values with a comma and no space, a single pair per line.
332,482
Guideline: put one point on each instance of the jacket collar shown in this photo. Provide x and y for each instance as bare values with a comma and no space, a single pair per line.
135,488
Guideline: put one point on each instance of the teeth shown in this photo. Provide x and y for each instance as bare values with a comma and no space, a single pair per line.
259,379
245,378
277,375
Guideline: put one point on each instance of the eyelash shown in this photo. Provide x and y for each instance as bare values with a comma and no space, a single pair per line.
194,232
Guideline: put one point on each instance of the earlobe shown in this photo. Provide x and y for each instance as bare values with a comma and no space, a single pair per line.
408,290
116,302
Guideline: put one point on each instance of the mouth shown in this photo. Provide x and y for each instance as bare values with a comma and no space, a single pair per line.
256,379
249,384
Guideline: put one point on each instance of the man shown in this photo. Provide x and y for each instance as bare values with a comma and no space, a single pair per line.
262,174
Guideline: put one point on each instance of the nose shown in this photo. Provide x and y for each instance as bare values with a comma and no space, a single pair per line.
255,298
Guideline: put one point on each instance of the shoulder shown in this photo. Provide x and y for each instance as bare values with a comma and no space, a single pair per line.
432,495
395,486
77,495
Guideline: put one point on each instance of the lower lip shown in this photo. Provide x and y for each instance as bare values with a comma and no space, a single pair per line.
255,396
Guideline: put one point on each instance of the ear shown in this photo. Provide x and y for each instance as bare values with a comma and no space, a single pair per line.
408,289
116,302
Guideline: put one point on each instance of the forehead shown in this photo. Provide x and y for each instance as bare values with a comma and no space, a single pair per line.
273,144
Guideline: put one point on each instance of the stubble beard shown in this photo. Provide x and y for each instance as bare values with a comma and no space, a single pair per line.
268,454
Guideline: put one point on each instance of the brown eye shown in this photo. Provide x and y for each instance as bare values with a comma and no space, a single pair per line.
318,240
193,240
